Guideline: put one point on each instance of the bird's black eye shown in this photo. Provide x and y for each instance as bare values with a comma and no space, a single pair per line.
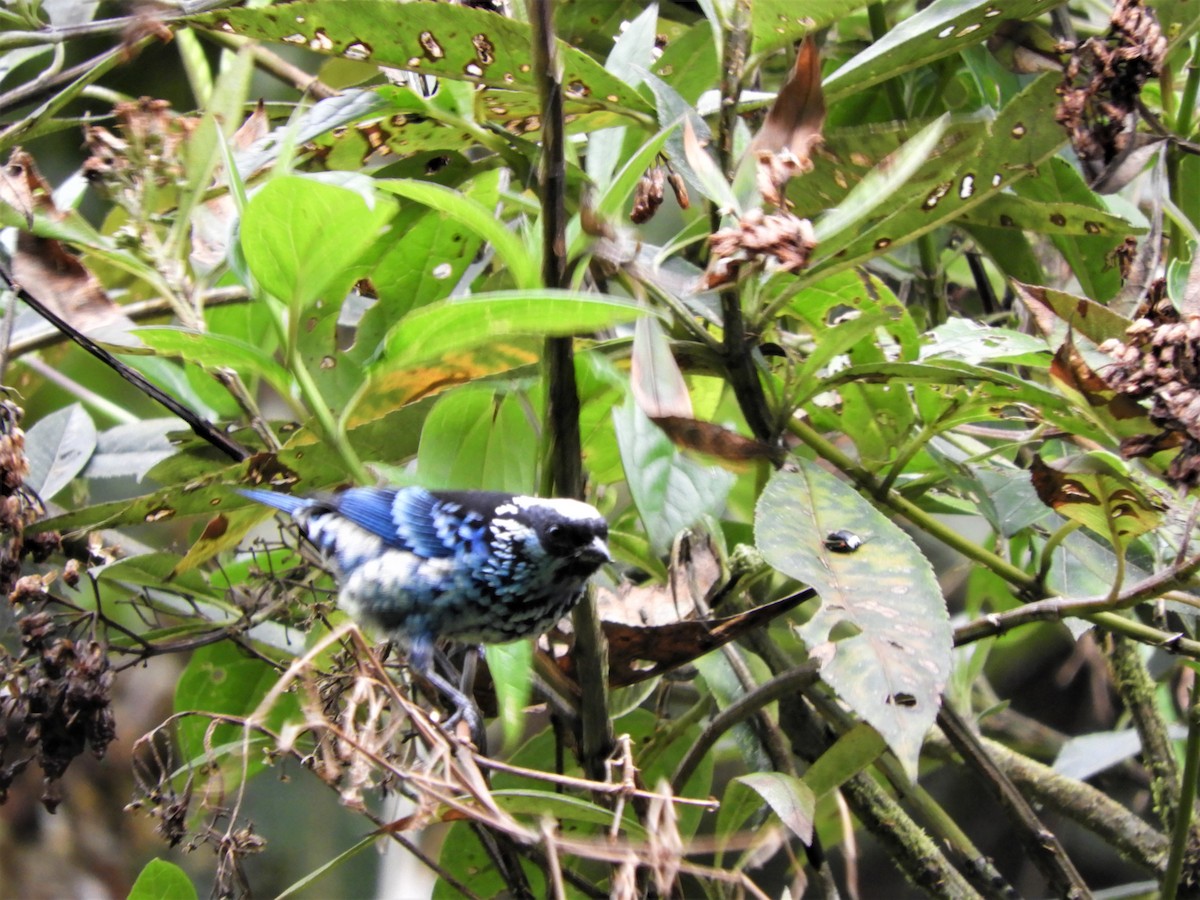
554,531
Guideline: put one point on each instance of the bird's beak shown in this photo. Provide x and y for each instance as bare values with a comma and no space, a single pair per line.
596,551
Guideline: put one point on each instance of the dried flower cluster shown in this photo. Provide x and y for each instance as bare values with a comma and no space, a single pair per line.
1102,83
648,195
1160,362
783,236
19,506
56,698
147,148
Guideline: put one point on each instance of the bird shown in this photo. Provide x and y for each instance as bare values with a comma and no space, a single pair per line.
471,566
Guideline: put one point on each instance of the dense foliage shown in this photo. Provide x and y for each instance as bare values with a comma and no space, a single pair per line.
871,328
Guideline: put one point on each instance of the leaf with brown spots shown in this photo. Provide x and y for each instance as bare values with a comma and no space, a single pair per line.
1096,490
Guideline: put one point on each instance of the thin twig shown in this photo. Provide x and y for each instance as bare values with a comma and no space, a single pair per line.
202,428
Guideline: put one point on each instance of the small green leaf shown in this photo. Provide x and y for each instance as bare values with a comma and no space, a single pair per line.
850,754
58,447
162,880
790,799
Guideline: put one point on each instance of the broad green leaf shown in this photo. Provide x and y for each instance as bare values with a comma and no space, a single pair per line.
942,28
481,219
162,880
477,439
882,633
671,491
302,237
443,40
223,678
58,447
428,255
389,389
454,326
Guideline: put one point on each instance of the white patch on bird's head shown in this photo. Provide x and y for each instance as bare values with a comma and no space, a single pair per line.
575,510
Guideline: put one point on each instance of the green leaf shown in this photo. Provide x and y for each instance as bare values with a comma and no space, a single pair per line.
941,29
216,351
882,633
1087,253
1096,490
223,678
850,754
454,326
426,260
974,343
781,23
162,880
476,439
443,40
301,237
58,447
671,490
789,798
511,666
481,219
130,451
878,185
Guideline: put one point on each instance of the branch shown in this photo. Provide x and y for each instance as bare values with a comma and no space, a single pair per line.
202,428
1041,844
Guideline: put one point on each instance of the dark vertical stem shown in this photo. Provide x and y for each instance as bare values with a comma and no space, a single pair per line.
562,414
738,350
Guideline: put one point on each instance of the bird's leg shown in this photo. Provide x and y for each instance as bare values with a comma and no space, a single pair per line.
421,659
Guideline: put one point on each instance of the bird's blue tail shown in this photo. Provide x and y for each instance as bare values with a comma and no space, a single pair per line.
284,502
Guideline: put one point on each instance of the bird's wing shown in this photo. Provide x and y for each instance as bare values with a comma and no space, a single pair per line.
409,518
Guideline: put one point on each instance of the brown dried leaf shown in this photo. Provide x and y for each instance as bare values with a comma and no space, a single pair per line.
707,437
43,266
796,120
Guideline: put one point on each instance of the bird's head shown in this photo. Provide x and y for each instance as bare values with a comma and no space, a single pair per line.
570,531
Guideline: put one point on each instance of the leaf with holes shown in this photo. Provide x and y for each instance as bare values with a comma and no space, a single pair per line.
939,30
1014,145
1096,490
438,39
882,633
780,23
